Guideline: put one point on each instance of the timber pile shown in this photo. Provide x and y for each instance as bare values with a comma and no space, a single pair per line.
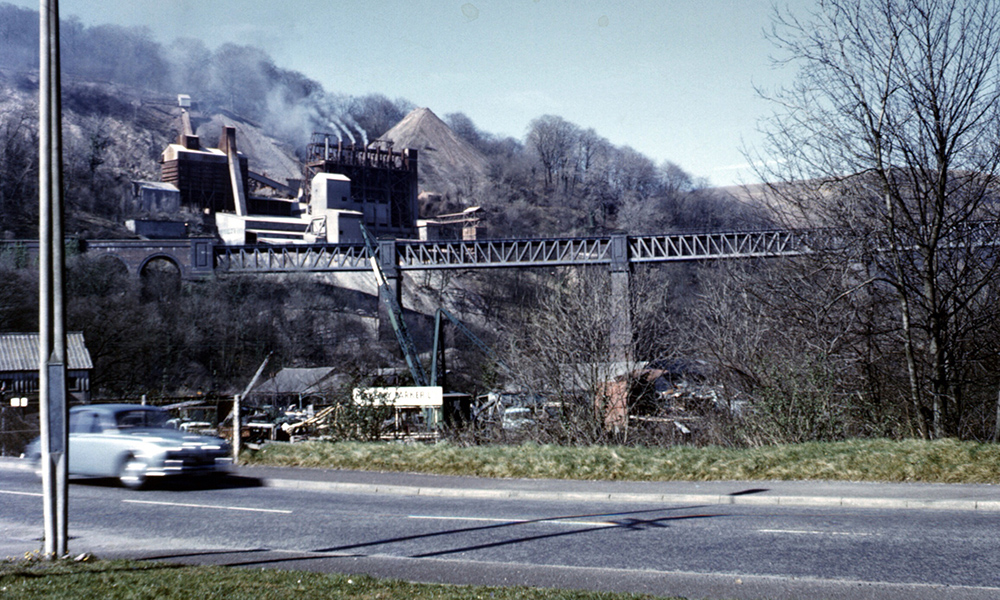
313,421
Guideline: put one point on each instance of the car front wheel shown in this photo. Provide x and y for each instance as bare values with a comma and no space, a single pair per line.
132,472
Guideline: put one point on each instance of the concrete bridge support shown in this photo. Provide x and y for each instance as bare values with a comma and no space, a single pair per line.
621,301
621,336
388,261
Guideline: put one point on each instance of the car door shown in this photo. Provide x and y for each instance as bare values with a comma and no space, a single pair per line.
85,432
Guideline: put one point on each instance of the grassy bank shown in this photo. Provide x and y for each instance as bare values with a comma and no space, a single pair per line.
114,580
944,461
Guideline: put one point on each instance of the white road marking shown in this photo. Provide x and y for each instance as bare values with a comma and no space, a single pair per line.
811,532
263,510
516,521
21,493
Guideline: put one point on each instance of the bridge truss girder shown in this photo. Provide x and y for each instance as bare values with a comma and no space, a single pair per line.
542,252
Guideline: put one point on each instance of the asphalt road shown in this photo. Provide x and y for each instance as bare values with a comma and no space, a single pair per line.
685,548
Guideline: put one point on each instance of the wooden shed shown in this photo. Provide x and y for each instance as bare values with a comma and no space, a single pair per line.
19,367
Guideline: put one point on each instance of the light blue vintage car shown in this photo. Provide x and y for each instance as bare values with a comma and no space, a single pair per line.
134,443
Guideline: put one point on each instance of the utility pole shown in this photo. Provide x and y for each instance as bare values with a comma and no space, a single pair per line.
53,411
237,430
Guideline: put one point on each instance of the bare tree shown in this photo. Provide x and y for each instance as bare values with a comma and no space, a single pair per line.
553,139
592,154
19,38
464,127
188,59
564,346
675,180
18,172
892,131
633,173
794,351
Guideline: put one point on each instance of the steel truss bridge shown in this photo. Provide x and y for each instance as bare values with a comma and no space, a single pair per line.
616,251
199,257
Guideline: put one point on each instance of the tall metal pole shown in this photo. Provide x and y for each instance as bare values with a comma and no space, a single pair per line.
53,414
237,429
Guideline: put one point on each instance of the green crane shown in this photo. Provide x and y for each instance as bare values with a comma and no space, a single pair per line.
409,350
437,356
387,296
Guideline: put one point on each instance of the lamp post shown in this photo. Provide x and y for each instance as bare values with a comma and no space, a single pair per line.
53,411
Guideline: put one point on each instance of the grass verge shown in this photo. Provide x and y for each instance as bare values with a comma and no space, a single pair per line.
128,580
942,461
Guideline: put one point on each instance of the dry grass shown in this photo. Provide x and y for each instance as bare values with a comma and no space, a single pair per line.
944,461
124,580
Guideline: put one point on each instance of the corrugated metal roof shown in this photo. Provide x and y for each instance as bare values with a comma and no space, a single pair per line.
19,352
294,380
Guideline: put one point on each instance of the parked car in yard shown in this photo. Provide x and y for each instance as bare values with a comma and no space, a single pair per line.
516,417
134,443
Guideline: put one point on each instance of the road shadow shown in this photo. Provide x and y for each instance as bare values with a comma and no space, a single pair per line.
750,491
225,482
242,558
180,484
201,554
628,521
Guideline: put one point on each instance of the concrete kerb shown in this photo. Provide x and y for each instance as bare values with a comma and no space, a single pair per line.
710,499
950,504
16,464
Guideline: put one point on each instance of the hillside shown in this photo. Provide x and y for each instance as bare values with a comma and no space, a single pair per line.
267,155
118,124
112,135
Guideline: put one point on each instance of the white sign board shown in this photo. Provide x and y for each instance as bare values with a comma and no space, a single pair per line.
401,397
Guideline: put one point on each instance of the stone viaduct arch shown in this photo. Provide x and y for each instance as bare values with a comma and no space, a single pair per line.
169,258
193,257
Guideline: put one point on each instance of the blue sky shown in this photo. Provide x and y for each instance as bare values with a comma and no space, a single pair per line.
674,79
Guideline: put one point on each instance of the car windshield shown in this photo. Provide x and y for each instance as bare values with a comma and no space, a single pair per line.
128,419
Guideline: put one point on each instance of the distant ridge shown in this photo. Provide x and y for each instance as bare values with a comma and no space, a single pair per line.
447,163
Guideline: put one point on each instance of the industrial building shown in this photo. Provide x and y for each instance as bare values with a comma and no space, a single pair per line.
383,181
347,186
203,176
